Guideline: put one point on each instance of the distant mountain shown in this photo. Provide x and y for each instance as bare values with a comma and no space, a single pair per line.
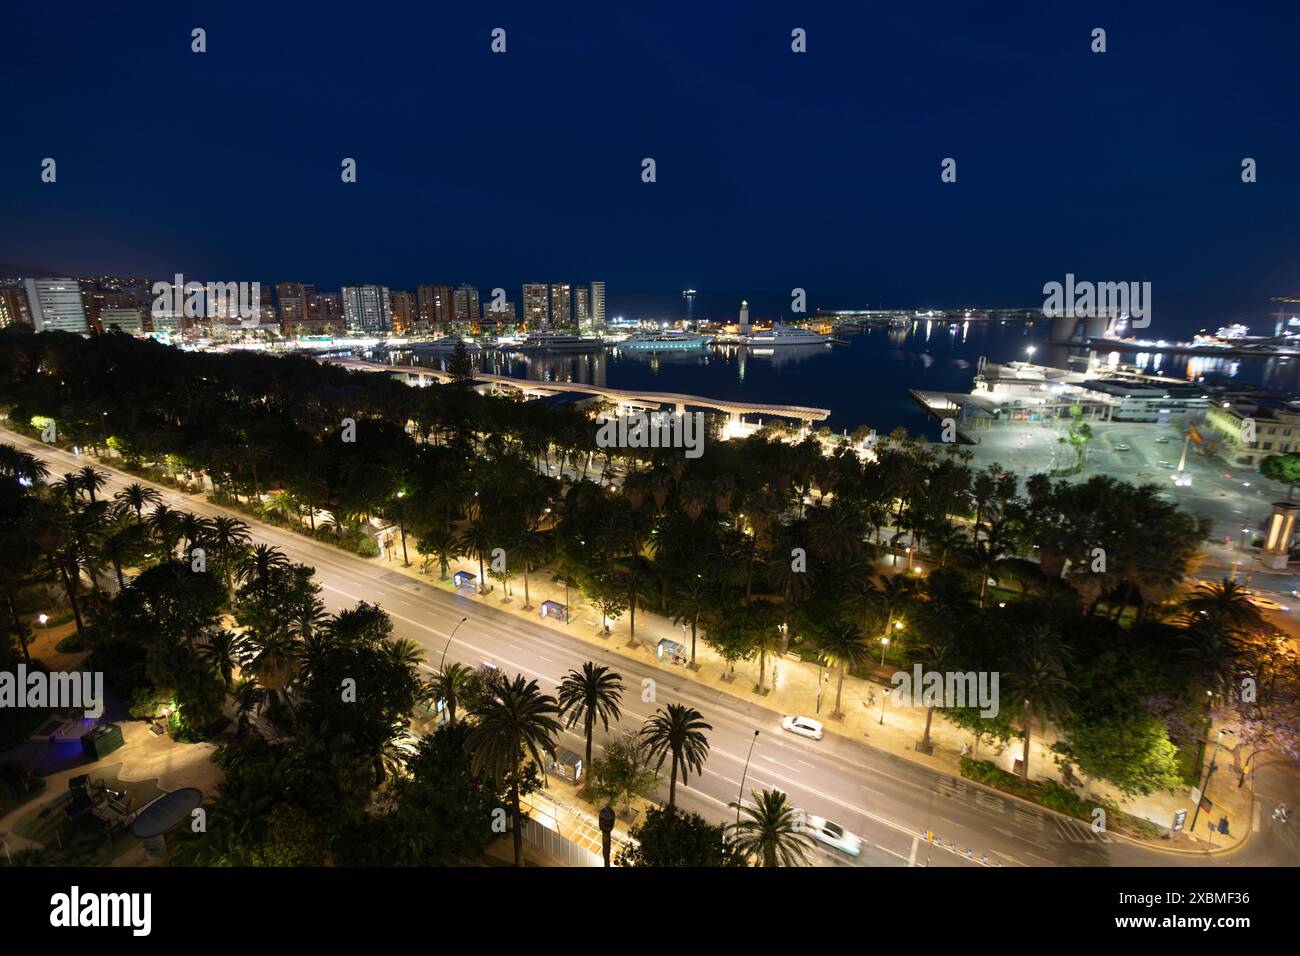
27,272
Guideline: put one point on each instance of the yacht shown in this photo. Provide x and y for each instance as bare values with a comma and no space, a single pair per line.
669,340
786,335
560,342
446,345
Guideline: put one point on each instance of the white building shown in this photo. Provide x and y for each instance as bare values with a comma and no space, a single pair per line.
56,304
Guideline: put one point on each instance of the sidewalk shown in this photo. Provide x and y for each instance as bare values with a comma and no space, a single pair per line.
868,715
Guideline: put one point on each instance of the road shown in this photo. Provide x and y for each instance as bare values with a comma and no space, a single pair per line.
881,797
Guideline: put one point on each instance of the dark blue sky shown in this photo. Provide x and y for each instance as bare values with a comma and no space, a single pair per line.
774,169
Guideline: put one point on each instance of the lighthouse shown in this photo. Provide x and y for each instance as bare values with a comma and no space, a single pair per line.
744,317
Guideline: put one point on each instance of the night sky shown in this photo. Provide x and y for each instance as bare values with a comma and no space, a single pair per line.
774,169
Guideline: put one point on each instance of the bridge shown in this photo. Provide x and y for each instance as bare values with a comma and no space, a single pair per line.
625,399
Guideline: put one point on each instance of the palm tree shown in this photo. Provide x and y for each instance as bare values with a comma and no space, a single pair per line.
92,481
220,648
841,644
403,652
589,695
227,536
688,600
274,661
476,541
531,549
515,720
258,565
136,496
677,731
898,593
771,832
1226,601
449,685
1037,677
441,541
936,654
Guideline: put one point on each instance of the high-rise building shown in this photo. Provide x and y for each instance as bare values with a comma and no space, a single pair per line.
434,305
291,297
537,307
366,308
404,311
465,303
324,311
688,306
13,308
582,306
123,319
560,311
598,305
56,304
96,301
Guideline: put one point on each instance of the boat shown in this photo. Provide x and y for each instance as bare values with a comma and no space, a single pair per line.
669,340
785,335
445,346
560,342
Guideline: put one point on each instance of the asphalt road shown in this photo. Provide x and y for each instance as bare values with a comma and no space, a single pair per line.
881,797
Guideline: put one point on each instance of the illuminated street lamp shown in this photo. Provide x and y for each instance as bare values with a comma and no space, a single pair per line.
884,645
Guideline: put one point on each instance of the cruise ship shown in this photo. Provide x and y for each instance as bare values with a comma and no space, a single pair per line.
664,341
786,335
560,342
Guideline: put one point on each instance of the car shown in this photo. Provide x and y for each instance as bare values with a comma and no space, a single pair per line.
1166,464
803,726
1121,447
1162,440
1265,603
832,834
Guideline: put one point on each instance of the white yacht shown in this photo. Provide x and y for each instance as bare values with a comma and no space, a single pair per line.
560,342
447,345
666,340
786,335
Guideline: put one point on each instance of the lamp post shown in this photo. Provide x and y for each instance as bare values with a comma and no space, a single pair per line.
448,644
1209,775
740,797
884,644
606,831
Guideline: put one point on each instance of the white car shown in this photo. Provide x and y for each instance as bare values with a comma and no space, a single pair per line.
832,834
1162,440
803,726
1121,447
1265,604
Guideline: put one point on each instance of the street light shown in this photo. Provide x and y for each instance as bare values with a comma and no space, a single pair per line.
448,644
884,643
1208,776
740,797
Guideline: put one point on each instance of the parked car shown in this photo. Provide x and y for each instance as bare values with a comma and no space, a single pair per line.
832,834
803,726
